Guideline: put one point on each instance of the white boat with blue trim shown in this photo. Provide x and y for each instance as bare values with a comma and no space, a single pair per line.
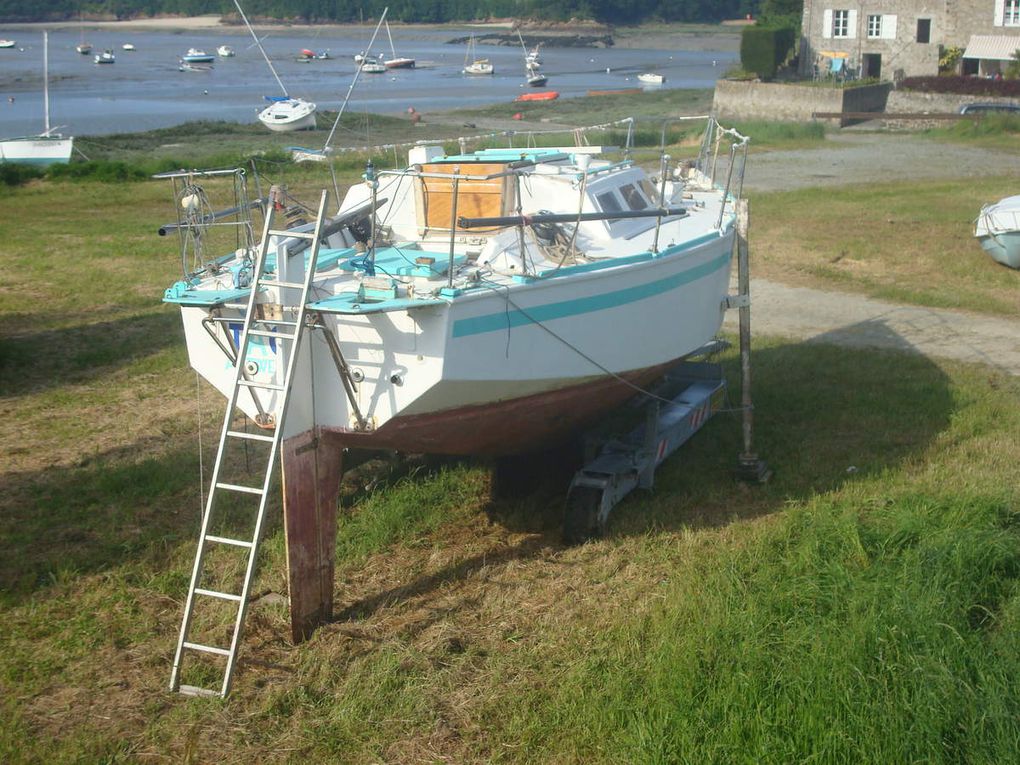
998,230
481,302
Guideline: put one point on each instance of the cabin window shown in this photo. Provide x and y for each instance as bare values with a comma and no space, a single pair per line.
608,202
633,197
650,191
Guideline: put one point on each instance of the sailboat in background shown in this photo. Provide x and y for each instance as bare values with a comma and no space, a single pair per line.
284,114
46,148
532,74
476,65
396,62
84,48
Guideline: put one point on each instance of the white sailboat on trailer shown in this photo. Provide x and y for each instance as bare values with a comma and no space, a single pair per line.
284,113
479,303
48,147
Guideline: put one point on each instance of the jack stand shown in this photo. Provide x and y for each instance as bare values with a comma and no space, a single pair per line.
752,470
749,467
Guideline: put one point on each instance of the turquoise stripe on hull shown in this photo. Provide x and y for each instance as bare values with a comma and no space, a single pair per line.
504,319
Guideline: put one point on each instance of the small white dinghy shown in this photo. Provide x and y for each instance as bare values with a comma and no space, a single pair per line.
998,230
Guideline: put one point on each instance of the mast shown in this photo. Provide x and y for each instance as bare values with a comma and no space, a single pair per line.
46,81
354,82
258,42
392,49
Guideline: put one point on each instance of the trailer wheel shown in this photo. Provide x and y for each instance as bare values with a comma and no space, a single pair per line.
581,520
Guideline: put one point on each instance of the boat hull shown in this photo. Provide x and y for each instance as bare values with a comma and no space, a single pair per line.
494,372
549,95
997,228
288,116
502,428
1003,248
38,150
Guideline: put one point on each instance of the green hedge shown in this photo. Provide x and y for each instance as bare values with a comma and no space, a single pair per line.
763,49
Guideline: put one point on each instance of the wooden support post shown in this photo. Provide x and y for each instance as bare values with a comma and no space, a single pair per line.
749,467
312,468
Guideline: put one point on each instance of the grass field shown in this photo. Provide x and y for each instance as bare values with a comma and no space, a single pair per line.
862,607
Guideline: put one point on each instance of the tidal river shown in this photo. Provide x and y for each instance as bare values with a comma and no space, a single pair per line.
144,88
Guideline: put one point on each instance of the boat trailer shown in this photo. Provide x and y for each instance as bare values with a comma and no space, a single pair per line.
694,391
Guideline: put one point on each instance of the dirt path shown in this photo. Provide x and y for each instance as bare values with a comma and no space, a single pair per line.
852,158
858,321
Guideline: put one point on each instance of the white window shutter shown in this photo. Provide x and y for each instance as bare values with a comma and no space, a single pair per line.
851,24
827,23
1000,12
889,27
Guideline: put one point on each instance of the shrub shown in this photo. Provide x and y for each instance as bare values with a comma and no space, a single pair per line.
12,174
964,86
763,49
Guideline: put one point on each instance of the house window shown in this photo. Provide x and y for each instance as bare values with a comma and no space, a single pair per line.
1011,13
875,25
924,30
840,23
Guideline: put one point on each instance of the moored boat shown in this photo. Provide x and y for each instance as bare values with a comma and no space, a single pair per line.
8,43
548,95
997,229
285,113
476,66
197,56
225,51
129,47
106,57
650,78
48,147
395,61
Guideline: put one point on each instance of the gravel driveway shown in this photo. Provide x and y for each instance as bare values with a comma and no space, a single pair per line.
855,320
851,158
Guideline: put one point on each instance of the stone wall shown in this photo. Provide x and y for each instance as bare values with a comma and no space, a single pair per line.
753,100
914,102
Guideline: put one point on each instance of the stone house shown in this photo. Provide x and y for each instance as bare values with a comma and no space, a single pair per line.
890,39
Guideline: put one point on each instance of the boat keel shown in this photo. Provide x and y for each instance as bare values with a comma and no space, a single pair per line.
312,469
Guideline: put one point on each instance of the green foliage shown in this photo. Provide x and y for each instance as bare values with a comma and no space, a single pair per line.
13,174
104,171
950,58
763,49
1013,67
417,11
775,13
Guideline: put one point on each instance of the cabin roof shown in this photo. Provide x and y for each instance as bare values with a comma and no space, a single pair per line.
505,156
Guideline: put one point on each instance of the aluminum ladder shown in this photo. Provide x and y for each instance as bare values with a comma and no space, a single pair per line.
287,334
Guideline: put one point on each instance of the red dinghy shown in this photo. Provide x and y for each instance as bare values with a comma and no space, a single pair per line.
548,95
